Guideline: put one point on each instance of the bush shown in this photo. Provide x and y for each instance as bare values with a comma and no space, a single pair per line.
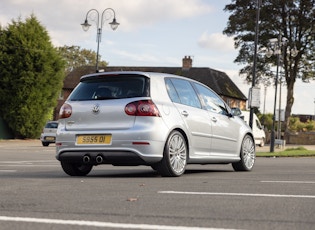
296,125
266,120
32,73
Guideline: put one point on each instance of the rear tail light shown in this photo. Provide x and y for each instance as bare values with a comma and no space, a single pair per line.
65,111
142,108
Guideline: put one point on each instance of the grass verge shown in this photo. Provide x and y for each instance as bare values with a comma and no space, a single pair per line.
289,152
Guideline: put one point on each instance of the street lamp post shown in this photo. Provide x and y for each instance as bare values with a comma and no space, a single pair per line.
274,47
99,24
258,4
279,110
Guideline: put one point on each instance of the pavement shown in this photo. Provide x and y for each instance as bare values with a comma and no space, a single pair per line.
21,142
278,148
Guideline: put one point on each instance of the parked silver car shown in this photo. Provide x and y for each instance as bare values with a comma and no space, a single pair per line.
160,120
48,134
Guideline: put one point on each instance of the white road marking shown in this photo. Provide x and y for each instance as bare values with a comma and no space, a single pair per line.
102,224
6,171
238,194
27,162
43,165
36,163
288,182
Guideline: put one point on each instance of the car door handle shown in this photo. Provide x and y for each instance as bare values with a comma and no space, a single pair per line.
185,113
214,119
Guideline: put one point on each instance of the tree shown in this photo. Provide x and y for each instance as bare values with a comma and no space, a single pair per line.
292,19
31,77
76,57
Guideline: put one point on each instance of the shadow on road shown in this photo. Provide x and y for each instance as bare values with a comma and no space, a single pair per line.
104,173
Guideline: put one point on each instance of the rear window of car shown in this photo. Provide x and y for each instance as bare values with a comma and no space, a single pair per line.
111,87
51,125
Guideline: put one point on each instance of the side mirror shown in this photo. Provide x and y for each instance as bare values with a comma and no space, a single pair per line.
230,114
236,111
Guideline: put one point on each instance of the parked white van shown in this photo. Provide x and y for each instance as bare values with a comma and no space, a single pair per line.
258,130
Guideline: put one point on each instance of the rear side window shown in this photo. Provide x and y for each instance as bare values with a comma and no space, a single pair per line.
172,91
181,91
111,87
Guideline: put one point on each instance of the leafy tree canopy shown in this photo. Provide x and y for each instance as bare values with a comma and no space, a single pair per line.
31,76
76,57
292,21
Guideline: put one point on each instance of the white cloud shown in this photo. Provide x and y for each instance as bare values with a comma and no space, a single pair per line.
63,18
131,14
137,56
216,41
147,59
139,13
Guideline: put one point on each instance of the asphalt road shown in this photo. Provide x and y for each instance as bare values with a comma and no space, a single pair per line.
36,194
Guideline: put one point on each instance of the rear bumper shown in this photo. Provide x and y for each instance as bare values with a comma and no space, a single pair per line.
119,152
119,158
141,145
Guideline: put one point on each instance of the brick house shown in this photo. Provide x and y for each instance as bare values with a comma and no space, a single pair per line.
216,80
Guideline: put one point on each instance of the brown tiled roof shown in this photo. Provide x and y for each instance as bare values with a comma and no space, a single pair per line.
217,80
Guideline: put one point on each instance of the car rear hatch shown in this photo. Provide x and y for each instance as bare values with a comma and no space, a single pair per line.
50,127
98,102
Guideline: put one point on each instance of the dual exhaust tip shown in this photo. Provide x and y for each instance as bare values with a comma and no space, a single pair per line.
87,159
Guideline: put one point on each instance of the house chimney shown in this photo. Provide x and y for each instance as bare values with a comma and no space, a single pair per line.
187,62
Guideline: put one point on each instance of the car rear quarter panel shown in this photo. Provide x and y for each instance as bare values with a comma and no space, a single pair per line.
168,111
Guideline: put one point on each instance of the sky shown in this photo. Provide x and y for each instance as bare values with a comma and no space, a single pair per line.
153,33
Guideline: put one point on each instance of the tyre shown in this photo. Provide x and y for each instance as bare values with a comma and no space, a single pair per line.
76,169
175,154
247,155
45,144
154,167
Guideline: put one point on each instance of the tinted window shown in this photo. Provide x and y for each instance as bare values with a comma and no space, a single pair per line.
111,87
212,101
51,125
172,91
185,92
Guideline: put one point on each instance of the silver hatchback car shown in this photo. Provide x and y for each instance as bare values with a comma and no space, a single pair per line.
160,120
48,134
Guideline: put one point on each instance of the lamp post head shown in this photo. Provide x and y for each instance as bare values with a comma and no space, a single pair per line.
114,24
85,25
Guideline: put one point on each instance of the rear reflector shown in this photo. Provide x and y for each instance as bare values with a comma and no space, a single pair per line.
140,143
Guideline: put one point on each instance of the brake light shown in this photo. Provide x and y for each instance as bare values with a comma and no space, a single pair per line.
142,108
65,111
